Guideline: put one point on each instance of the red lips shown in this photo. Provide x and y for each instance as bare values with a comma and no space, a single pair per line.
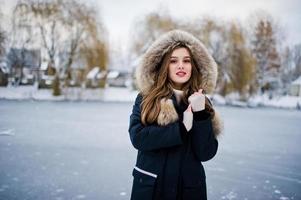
181,73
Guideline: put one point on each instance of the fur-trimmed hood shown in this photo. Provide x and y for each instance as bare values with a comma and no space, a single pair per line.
145,72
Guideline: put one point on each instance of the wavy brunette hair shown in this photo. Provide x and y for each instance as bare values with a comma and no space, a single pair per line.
163,87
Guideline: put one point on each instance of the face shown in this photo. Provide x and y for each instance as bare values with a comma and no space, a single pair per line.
179,69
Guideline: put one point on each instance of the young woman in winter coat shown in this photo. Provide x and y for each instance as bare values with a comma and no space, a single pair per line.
173,124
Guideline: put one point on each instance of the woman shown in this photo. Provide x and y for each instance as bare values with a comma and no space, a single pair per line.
173,125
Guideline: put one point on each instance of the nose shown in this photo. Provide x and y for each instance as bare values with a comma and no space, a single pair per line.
181,65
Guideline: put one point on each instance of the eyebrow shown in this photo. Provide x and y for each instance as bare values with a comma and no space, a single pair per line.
177,57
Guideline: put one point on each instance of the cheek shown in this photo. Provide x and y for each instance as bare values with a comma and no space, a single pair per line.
189,70
189,75
171,70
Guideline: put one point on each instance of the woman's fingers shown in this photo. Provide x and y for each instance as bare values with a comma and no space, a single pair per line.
189,109
198,92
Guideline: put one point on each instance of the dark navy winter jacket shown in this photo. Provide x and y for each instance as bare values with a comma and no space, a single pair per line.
168,165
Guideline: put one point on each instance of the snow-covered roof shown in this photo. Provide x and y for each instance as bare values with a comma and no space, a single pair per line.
4,68
297,81
44,65
101,75
113,74
92,74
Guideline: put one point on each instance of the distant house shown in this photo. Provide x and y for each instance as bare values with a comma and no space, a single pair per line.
119,78
76,73
95,78
24,65
45,80
295,88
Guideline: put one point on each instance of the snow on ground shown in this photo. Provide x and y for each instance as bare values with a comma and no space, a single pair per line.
129,95
32,93
285,102
291,102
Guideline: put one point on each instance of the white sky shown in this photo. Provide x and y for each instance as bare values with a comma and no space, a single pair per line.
119,15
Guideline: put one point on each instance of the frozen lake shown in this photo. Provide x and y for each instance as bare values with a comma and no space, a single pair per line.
81,150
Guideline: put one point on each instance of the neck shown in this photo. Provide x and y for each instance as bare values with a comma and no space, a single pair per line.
178,94
177,86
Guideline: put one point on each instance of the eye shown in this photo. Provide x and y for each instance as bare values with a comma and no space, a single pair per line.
187,61
173,61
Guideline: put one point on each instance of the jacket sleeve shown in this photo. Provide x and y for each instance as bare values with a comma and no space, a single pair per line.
204,143
151,137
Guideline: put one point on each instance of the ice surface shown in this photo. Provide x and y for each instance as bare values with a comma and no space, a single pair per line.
81,150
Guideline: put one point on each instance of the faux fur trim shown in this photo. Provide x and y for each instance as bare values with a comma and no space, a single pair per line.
146,70
217,124
168,113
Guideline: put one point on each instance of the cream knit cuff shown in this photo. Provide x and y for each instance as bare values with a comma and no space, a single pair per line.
187,119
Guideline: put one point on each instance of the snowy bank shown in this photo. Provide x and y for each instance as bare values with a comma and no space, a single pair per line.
70,94
291,102
128,95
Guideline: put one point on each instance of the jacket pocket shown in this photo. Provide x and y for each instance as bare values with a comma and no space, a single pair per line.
143,184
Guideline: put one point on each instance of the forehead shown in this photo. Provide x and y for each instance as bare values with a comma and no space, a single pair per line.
180,52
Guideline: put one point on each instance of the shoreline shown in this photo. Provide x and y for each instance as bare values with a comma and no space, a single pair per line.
116,94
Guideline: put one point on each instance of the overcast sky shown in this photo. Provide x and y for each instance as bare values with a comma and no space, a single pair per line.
119,15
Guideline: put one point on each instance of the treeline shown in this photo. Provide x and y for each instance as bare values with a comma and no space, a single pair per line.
251,57
65,31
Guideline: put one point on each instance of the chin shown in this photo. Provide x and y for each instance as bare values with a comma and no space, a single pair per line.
182,81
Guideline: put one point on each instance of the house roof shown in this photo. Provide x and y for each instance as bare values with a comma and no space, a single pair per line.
113,74
93,73
4,68
44,65
297,81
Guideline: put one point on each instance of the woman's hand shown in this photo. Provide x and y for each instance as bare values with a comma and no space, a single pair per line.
197,101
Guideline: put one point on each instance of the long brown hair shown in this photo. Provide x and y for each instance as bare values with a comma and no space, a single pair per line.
162,87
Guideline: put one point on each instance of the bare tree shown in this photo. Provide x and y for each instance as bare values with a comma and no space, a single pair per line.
43,19
214,34
296,54
2,36
264,44
242,64
86,38
287,68
2,40
66,30
149,28
19,42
